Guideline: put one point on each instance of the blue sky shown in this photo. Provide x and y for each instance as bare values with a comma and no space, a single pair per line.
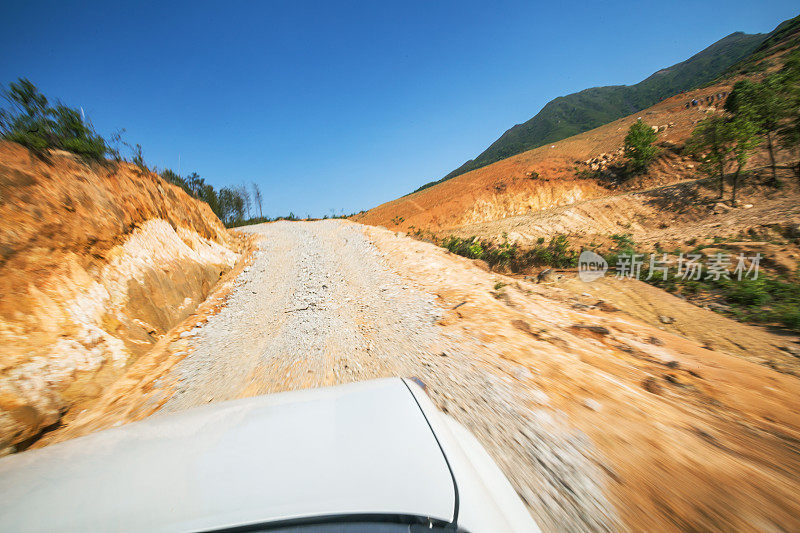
342,105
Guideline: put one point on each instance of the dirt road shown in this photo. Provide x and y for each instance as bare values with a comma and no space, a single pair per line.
319,306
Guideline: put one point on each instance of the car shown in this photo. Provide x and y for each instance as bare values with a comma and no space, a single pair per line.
372,456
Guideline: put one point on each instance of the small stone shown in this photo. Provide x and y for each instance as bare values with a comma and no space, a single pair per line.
546,276
655,341
666,319
592,405
651,386
522,373
539,397
791,350
719,207
600,330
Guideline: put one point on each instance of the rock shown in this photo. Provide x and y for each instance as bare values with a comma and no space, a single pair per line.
664,319
605,306
651,385
546,276
600,330
793,350
719,207
747,206
718,306
522,373
592,405
655,341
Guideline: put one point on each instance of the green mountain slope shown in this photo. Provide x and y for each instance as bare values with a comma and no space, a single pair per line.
784,37
578,112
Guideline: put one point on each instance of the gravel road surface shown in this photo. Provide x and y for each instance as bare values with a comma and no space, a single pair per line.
319,306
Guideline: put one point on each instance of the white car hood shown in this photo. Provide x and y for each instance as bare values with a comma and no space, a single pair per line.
360,448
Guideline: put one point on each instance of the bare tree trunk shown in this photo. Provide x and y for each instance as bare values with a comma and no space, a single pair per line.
721,182
257,197
735,185
771,151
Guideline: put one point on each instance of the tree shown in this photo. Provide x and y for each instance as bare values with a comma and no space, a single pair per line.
195,184
172,177
209,196
789,136
639,149
27,120
788,79
712,142
231,205
138,158
31,121
746,138
761,105
244,194
257,198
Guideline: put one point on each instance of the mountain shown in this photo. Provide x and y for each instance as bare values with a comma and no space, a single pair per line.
786,36
578,112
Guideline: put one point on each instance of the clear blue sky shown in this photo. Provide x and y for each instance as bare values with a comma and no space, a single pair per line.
343,105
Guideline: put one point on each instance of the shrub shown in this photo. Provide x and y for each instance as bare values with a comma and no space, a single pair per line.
32,122
639,149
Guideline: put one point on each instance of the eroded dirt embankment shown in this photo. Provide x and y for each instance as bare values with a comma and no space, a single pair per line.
96,263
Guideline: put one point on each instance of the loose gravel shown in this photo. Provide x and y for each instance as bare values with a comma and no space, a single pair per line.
318,306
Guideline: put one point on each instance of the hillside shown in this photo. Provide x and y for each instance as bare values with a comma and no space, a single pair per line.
97,262
579,112
541,178
559,173
784,37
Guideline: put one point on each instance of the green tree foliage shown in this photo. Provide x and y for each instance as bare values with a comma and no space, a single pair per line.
725,140
231,205
31,121
138,159
746,138
788,81
639,149
755,111
712,143
761,105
